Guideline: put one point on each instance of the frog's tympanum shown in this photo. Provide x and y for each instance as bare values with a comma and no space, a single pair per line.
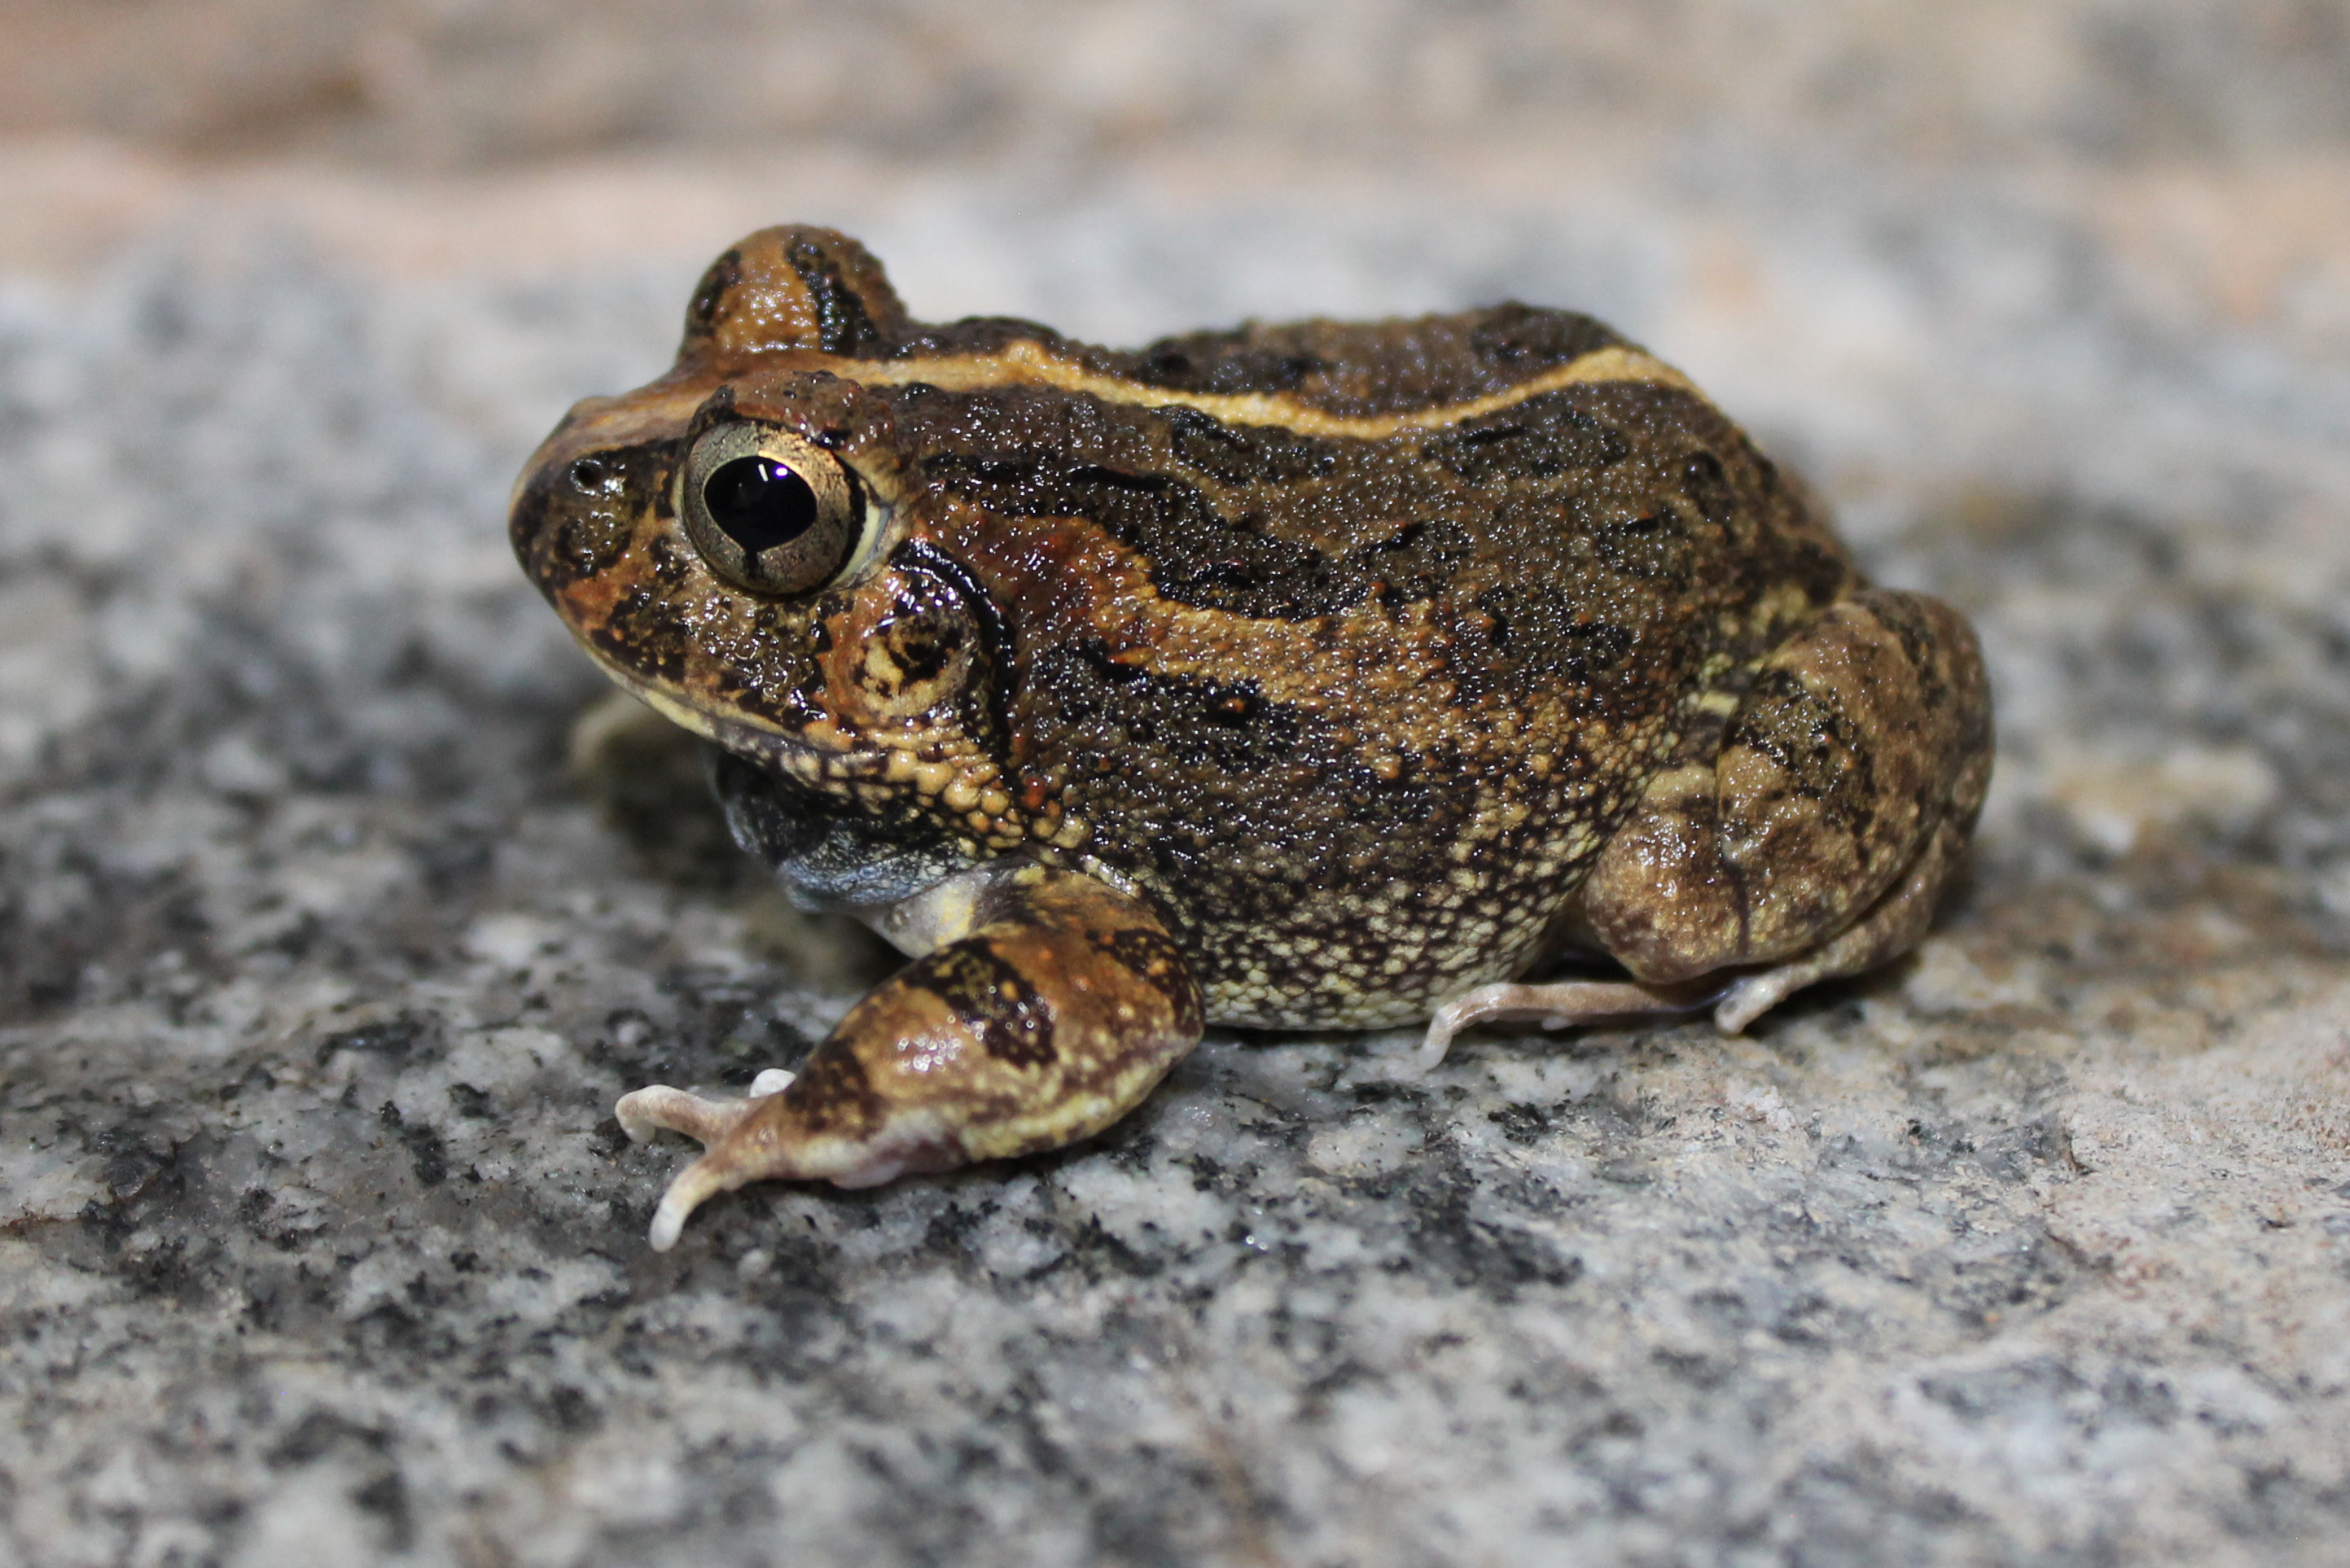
1322,675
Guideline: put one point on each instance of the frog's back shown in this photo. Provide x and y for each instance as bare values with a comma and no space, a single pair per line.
1352,641
1348,370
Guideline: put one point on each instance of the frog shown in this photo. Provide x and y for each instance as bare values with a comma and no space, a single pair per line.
1423,673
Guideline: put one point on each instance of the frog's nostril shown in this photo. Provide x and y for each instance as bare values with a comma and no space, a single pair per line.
589,473
759,504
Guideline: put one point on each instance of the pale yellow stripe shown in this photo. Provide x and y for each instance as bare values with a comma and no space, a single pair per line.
1029,363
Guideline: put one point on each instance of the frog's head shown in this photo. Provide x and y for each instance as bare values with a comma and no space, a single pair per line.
729,541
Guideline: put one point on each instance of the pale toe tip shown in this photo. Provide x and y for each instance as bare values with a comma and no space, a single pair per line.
635,1112
705,1177
669,1224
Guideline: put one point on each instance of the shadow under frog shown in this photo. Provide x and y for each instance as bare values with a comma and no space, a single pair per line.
1319,675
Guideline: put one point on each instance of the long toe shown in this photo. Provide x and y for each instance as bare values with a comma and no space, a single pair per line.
660,1108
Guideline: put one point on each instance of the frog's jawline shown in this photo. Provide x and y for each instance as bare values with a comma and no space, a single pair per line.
832,862
769,748
829,857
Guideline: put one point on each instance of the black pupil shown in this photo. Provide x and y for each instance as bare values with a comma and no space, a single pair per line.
759,504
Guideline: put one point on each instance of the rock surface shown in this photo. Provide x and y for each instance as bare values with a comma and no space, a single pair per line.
323,957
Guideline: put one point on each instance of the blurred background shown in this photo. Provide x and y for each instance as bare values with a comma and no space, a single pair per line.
2040,202
1860,218
317,961
448,84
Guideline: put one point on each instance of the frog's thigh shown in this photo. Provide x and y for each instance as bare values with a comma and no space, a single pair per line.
1051,1019
1844,789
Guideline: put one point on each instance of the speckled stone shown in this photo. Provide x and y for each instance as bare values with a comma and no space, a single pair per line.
321,967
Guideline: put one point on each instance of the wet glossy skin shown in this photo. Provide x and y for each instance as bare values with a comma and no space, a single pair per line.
1322,675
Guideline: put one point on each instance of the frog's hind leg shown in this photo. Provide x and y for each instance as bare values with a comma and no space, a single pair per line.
1062,1007
1817,839
1893,925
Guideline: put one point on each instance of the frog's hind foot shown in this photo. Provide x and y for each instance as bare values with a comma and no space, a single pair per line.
1557,1006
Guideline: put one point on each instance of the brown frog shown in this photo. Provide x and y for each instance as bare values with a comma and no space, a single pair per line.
1322,675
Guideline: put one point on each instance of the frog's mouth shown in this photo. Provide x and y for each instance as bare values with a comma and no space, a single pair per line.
792,756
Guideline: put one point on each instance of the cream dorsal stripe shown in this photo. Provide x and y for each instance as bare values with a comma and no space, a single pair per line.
1029,363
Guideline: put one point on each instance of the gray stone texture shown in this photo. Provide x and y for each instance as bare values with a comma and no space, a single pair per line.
325,945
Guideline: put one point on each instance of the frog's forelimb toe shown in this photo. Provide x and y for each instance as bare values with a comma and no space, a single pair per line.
659,1108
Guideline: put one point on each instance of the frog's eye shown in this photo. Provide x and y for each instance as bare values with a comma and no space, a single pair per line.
769,511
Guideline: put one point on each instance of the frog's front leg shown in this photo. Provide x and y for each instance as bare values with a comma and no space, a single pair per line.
1812,843
1051,1004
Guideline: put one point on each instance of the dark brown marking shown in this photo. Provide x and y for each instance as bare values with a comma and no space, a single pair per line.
1544,437
1707,485
990,997
843,325
1195,555
920,646
832,1094
564,532
701,312
974,335
1812,742
996,677
648,633
1153,958
1247,454
1528,339
1652,547
1196,723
